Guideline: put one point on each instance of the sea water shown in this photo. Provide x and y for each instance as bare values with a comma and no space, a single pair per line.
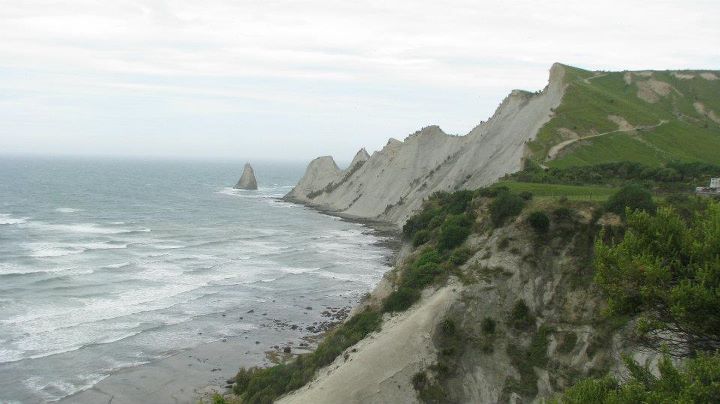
107,264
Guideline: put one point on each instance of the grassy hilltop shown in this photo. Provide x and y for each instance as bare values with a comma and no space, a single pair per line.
650,117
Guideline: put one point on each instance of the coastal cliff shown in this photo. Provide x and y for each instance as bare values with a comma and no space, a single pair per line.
391,184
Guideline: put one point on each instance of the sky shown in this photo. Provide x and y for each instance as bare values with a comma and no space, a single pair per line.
295,79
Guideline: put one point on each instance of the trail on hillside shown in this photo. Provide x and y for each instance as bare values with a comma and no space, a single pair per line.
560,146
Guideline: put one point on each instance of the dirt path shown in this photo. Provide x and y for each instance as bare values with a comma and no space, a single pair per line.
560,146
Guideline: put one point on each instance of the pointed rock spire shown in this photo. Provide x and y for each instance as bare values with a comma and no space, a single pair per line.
247,181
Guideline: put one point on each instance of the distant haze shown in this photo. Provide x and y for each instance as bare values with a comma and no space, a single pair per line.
300,78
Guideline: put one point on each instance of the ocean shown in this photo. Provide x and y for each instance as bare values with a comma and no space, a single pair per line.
108,264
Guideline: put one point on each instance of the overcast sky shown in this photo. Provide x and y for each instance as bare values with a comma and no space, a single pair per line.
276,79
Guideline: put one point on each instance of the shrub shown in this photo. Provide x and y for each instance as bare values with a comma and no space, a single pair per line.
454,231
505,205
488,326
423,271
526,195
419,380
460,256
668,271
697,382
633,197
421,237
401,299
520,316
539,221
264,385
492,191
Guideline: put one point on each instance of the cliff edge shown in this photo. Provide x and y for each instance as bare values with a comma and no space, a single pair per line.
391,184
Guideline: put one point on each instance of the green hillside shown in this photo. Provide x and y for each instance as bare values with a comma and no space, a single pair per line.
647,117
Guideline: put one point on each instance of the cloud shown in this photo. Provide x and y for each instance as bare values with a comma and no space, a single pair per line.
361,70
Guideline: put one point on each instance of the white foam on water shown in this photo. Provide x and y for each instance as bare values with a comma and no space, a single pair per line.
14,269
55,390
117,266
7,219
67,210
295,270
50,249
85,228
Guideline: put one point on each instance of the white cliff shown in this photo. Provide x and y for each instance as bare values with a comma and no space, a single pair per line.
391,184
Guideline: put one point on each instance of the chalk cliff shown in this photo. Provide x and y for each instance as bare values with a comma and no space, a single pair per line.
391,184
247,180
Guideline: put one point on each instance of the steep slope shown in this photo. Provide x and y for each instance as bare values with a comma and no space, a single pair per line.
562,337
392,183
649,117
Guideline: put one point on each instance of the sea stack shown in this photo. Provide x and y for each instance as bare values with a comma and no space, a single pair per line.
247,181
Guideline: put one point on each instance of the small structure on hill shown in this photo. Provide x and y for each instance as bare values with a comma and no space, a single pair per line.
712,190
247,180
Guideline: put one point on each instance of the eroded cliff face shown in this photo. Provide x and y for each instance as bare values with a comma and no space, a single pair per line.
391,184
522,358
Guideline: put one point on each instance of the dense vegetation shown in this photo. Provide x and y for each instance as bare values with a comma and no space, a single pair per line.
667,270
698,381
631,197
671,176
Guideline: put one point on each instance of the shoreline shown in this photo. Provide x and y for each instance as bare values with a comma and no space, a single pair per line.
196,373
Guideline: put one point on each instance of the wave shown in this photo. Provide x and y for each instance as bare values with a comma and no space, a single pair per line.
67,210
56,390
53,250
86,228
7,219
14,270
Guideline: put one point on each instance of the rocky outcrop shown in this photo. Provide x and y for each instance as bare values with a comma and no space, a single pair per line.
247,180
392,183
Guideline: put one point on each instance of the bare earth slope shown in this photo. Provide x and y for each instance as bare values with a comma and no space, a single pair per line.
391,184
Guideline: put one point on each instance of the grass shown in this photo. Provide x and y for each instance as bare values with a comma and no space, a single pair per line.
586,105
573,192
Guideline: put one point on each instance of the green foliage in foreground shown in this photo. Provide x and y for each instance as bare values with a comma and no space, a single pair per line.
632,197
667,270
697,382
539,221
256,385
505,206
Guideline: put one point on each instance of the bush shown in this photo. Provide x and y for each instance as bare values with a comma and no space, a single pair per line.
668,271
505,205
460,256
454,231
520,316
257,385
634,197
422,272
401,299
526,195
421,237
697,382
539,221
488,326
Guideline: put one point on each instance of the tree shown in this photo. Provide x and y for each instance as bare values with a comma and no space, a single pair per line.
668,272
697,382
633,197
